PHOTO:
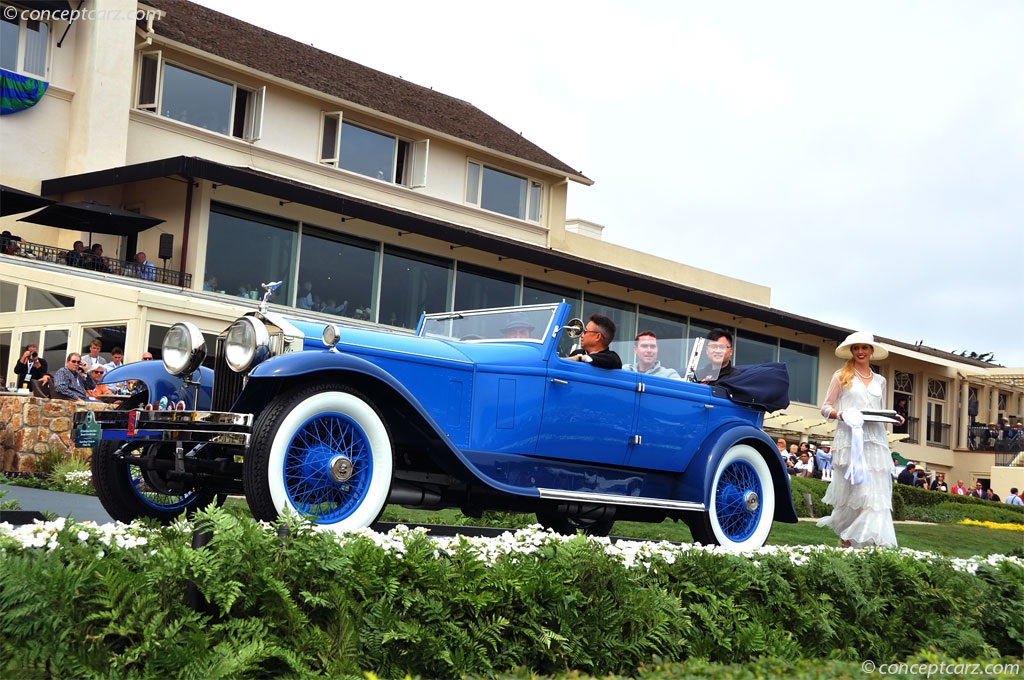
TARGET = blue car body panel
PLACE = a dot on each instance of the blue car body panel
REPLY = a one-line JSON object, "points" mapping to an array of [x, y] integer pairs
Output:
{"points": [[160, 383]]}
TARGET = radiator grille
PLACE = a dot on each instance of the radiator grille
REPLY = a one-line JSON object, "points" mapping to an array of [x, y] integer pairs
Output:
{"points": [[227, 384]]}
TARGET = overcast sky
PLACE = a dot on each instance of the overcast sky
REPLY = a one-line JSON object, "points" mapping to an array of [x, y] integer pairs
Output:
{"points": [[864, 160]]}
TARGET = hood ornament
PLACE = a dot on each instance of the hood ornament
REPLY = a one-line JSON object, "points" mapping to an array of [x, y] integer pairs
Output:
{"points": [[270, 289]]}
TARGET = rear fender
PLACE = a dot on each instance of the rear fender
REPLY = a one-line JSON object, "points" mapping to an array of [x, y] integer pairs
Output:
{"points": [[716, 445]]}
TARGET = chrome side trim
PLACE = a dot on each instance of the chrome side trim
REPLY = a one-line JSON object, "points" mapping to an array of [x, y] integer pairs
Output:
{"points": [[612, 499], [162, 419]]}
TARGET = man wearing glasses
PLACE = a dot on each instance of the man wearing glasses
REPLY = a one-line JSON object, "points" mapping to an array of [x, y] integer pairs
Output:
{"points": [[594, 344], [72, 381], [719, 351]]}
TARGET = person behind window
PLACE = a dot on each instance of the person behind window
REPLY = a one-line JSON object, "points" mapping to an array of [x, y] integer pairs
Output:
{"points": [[93, 358], [599, 334], [645, 347], [719, 351], [518, 327]]}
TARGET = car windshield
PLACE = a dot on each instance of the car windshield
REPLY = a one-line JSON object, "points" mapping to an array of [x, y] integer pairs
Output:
{"points": [[523, 324]]}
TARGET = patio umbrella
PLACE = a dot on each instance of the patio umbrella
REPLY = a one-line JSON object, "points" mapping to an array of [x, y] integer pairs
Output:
{"points": [[14, 201], [92, 217]]}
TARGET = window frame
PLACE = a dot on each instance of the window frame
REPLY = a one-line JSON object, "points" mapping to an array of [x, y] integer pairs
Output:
{"points": [[409, 158], [534, 190], [250, 129], [23, 46]]}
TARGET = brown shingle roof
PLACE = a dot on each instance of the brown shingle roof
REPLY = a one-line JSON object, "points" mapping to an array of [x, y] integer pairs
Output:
{"points": [[249, 45]]}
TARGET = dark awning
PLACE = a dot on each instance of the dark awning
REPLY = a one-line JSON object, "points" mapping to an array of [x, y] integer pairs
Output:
{"points": [[292, 191], [93, 217], [14, 201], [49, 5]]}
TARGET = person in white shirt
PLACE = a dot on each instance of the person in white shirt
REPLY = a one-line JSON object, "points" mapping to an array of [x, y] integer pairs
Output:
{"points": [[1014, 498], [93, 358]]}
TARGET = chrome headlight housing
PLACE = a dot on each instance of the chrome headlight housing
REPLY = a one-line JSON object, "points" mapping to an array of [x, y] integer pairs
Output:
{"points": [[183, 348], [331, 335], [246, 344]]}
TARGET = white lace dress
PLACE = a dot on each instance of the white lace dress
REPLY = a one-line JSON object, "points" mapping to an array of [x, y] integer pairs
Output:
{"points": [[861, 513]]}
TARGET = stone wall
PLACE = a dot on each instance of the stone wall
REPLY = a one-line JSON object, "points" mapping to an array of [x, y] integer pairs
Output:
{"points": [[29, 425]]}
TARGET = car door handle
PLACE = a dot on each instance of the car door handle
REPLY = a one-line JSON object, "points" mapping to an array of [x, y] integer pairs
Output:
{"points": [[709, 405], [559, 381]]}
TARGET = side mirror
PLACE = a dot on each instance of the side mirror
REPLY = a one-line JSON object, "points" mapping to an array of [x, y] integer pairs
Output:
{"points": [[574, 328]]}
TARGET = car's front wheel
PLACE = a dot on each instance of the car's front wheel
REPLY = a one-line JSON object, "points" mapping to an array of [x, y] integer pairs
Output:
{"points": [[324, 452], [129, 492], [742, 502]]}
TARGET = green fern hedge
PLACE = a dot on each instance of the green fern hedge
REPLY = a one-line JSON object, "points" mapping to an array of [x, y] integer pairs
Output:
{"points": [[255, 602]]}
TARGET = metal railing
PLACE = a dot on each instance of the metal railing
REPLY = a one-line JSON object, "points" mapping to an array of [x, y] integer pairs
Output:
{"points": [[909, 428], [106, 265]]}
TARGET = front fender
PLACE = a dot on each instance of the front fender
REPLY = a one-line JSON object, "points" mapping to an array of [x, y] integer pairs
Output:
{"points": [[715, 446], [160, 383]]}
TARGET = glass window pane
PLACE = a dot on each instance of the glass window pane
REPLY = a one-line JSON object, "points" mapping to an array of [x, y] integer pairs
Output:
{"points": [[9, 32], [671, 333], [246, 249], [147, 80], [754, 348], [37, 36], [504, 193], [479, 288], [329, 146], [473, 183], [36, 298], [8, 297], [624, 316], [411, 284], [538, 292], [55, 347], [109, 336], [5, 358], [367, 152], [341, 270], [535, 195], [802, 363], [196, 100]]}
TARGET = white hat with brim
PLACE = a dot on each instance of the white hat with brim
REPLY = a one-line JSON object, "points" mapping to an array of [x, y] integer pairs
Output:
{"points": [[861, 338]]}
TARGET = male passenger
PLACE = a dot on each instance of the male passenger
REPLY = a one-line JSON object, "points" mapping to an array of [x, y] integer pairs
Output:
{"points": [[645, 347], [718, 350], [594, 344]]}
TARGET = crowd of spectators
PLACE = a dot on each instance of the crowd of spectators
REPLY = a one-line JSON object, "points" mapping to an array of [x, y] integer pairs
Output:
{"points": [[137, 266], [79, 379]]}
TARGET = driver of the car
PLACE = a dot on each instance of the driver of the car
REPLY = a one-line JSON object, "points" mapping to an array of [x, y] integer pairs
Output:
{"points": [[594, 344], [518, 326]]}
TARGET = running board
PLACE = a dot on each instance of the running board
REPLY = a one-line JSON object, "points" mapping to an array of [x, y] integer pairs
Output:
{"points": [[612, 499]]}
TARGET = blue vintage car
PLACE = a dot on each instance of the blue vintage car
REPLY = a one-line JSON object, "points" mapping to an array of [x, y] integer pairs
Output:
{"points": [[335, 422]]}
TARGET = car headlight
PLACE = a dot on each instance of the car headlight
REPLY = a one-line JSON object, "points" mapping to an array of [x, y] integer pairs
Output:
{"points": [[184, 349], [332, 334], [247, 344]]}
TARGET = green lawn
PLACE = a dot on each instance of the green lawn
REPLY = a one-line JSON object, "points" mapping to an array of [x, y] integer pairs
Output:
{"points": [[952, 540]]}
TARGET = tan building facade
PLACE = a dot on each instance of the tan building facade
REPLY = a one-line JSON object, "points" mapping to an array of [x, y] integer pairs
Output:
{"points": [[270, 160]]}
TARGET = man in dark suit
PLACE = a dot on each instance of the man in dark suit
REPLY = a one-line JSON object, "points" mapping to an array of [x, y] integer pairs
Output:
{"points": [[594, 344], [908, 476], [718, 349]]}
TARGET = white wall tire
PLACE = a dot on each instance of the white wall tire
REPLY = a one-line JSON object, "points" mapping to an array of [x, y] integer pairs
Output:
{"points": [[323, 452], [742, 479]]}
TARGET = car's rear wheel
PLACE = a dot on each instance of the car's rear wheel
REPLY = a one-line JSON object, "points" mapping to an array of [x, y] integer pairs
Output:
{"points": [[742, 502], [568, 525], [128, 492], [324, 452]]}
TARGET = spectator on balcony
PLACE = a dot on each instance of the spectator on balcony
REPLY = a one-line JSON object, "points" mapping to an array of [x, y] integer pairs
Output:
{"points": [[72, 381], [77, 257], [903, 410], [10, 244], [210, 284], [1014, 498], [93, 358], [305, 299], [96, 260], [144, 269], [31, 366]]}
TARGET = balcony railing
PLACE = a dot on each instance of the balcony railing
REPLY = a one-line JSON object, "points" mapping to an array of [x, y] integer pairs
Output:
{"points": [[909, 428], [106, 265]]}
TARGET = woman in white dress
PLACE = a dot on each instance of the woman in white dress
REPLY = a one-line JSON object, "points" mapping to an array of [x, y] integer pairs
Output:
{"points": [[861, 489]]}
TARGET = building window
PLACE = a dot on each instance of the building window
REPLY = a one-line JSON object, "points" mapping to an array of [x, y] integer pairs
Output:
{"points": [[371, 153], [802, 364], [412, 283], [24, 43], [8, 297], [191, 97], [671, 333], [622, 313], [503, 192], [903, 382], [479, 288], [539, 292], [341, 272], [37, 299], [245, 249], [937, 389], [109, 336]]}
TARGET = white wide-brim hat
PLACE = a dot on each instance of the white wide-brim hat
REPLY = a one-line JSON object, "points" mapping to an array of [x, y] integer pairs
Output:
{"points": [[861, 338]]}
